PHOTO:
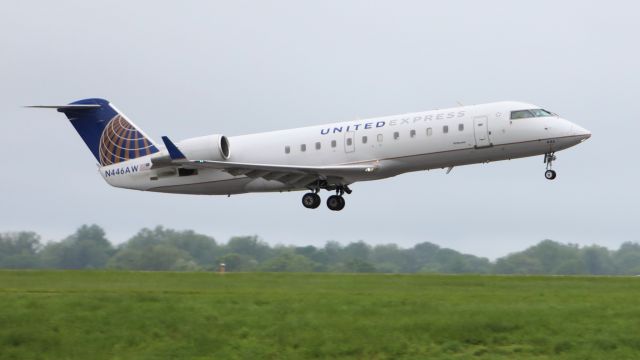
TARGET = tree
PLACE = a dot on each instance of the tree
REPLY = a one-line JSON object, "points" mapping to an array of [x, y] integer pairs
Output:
{"points": [[318, 256], [627, 258], [238, 262], [358, 266], [19, 250], [249, 245], [86, 248], [156, 257], [553, 256], [166, 249], [571, 267], [201, 248], [546, 257], [290, 263], [452, 262], [332, 249], [518, 263], [389, 258], [422, 255], [356, 250], [597, 260]]}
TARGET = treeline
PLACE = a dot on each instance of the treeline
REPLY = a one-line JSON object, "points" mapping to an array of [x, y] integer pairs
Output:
{"points": [[167, 249]]}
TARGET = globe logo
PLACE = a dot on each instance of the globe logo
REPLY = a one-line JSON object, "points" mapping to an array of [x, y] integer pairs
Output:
{"points": [[121, 141]]}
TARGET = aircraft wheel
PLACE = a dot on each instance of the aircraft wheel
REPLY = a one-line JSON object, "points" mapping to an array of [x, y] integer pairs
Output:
{"points": [[335, 202], [550, 174], [311, 200]]}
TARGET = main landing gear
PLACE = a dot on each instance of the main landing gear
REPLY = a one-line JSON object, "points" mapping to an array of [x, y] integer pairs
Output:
{"points": [[335, 202], [548, 159]]}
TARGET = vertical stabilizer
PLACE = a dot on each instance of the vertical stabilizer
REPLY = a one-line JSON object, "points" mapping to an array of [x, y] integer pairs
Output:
{"points": [[109, 134]]}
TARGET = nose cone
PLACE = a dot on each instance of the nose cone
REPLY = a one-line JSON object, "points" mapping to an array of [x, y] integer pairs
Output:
{"points": [[581, 132]]}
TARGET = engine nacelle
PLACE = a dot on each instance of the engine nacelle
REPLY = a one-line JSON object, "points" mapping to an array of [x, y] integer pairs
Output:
{"points": [[210, 147]]}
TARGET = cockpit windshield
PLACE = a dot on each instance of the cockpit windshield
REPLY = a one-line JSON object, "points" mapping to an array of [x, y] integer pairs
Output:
{"points": [[524, 114]]}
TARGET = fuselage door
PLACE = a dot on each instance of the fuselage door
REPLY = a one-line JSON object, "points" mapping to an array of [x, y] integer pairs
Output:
{"points": [[349, 142], [481, 131]]}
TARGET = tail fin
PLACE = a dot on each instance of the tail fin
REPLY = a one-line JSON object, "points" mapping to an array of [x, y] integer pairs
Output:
{"points": [[111, 137]]}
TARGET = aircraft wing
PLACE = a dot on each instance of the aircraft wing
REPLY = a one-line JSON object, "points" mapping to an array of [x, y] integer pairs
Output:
{"points": [[288, 174]]}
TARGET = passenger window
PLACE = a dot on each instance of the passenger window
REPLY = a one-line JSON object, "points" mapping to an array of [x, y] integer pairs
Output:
{"points": [[349, 141], [364, 139], [303, 147], [429, 131], [333, 143], [396, 135], [318, 145], [379, 137], [460, 127], [287, 149], [445, 129], [412, 133]]}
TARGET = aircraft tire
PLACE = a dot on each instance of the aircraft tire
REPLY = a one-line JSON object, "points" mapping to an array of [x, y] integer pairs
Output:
{"points": [[550, 174], [311, 200], [335, 202]]}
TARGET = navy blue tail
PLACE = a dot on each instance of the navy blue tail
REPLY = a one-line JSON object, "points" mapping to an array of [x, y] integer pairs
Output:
{"points": [[110, 136]]}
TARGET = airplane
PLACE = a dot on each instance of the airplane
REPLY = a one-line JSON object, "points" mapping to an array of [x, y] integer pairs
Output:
{"points": [[331, 157]]}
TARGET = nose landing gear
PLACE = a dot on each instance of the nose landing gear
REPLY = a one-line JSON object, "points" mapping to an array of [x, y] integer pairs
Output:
{"points": [[549, 174]]}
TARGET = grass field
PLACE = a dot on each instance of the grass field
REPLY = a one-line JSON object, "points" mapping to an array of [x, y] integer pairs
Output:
{"points": [[162, 315]]}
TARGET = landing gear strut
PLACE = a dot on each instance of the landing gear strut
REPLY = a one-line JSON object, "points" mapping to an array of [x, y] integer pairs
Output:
{"points": [[548, 159]]}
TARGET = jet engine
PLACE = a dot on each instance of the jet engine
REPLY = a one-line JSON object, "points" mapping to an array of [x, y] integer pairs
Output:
{"points": [[210, 147]]}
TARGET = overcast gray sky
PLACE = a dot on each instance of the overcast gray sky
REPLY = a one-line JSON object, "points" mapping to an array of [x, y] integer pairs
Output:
{"points": [[191, 68]]}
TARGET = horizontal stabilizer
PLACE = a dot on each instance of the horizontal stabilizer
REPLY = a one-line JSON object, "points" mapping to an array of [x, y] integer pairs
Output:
{"points": [[174, 152], [63, 108]]}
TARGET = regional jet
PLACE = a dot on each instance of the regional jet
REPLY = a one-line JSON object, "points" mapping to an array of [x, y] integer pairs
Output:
{"points": [[331, 157]]}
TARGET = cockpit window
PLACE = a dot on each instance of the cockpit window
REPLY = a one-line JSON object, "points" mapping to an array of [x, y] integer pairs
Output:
{"points": [[523, 114], [540, 112]]}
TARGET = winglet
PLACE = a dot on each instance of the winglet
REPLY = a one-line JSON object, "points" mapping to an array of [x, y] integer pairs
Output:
{"points": [[174, 152]]}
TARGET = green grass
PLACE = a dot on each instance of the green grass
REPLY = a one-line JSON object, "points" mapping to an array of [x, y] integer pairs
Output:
{"points": [[162, 315]]}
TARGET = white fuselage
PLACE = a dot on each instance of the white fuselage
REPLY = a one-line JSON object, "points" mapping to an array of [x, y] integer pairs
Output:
{"points": [[395, 144]]}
